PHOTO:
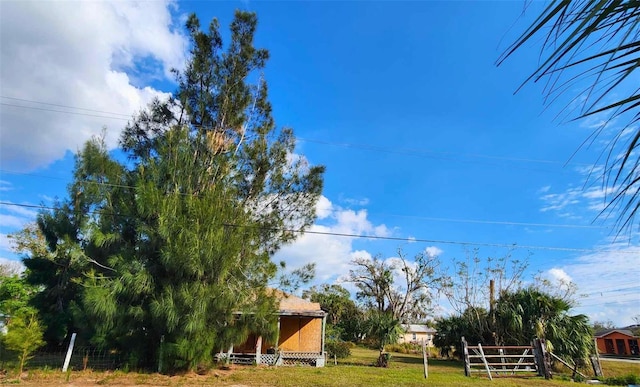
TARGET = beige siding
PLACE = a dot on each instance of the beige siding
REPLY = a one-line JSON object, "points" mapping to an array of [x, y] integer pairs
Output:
{"points": [[300, 334], [419, 336]]}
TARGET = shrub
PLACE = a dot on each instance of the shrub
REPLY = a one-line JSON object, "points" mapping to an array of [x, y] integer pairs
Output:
{"points": [[403, 348], [622, 380], [339, 349]]}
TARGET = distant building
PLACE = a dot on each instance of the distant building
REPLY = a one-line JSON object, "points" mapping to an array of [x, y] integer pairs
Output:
{"points": [[617, 342], [416, 333]]}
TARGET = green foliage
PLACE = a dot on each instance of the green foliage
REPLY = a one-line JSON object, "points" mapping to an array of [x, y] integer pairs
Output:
{"points": [[23, 330], [334, 299], [24, 336], [345, 320], [176, 243], [403, 348], [472, 325], [383, 329], [338, 349], [521, 316], [354, 325], [627, 380], [15, 296], [528, 313]]}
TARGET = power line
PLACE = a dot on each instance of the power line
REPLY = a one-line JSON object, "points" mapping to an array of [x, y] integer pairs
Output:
{"points": [[65, 106], [614, 302], [612, 290], [427, 218], [425, 152], [497, 222], [62, 111], [449, 156], [375, 237]]}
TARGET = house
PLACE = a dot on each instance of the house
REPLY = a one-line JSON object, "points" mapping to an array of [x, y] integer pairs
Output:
{"points": [[617, 342], [300, 340], [416, 333]]}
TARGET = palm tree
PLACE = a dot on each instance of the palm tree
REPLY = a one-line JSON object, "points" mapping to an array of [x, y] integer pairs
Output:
{"points": [[596, 41], [528, 313], [383, 329]]}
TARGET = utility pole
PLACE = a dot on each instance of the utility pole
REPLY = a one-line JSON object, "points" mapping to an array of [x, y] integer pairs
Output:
{"points": [[492, 309]]}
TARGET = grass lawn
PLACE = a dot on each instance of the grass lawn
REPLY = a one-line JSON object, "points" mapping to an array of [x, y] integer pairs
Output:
{"points": [[404, 370]]}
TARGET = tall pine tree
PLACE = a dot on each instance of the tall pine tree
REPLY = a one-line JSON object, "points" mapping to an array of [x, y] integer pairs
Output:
{"points": [[175, 244]]}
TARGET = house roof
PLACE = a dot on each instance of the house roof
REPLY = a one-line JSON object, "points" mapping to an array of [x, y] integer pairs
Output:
{"points": [[291, 305], [417, 328], [607, 332]]}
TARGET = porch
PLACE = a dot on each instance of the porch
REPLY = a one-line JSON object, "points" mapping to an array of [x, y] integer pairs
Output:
{"points": [[300, 339]]}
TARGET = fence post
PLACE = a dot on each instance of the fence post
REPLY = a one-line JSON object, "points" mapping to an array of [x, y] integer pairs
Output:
{"points": [[160, 354], [424, 359], [465, 354], [67, 359], [544, 366], [258, 349]]}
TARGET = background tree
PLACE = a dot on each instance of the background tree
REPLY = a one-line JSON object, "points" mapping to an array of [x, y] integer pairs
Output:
{"points": [[176, 243], [467, 288], [333, 299], [596, 44], [472, 324], [346, 320], [22, 330], [466, 285], [52, 253], [602, 325], [24, 336], [408, 298]]}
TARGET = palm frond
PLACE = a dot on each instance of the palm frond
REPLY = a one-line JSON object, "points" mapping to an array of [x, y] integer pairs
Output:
{"points": [[598, 42]]}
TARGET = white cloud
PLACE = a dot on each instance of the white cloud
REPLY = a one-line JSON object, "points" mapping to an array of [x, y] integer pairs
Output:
{"points": [[25, 212], [575, 202], [5, 186], [608, 282], [12, 221], [5, 243], [433, 251], [323, 207], [544, 189], [15, 217], [356, 222], [356, 202], [559, 276], [331, 253], [77, 54]]}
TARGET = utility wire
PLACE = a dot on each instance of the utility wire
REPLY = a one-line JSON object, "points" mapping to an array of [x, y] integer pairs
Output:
{"points": [[418, 152], [375, 237], [62, 111], [66, 106], [427, 218], [425, 152]]}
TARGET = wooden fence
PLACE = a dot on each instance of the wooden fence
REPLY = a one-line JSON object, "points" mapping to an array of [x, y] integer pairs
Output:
{"points": [[527, 360]]}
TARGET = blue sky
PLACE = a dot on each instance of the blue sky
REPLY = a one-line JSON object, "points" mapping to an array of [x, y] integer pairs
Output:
{"points": [[420, 132]]}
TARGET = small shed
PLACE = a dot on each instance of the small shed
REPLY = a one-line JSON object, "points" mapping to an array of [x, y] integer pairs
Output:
{"points": [[301, 330], [617, 342], [417, 333]]}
